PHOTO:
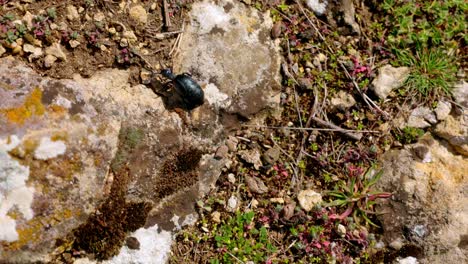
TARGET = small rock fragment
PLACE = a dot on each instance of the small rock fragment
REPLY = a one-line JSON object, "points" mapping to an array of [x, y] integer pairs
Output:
{"points": [[36, 52], [272, 155], [49, 60], [308, 199], [130, 35], [455, 132], [318, 7], [418, 117], [460, 93], [397, 244], [17, 49], [145, 76], [422, 153], [56, 50], [72, 13], [231, 143], [341, 230], [276, 30], [216, 217], [304, 83], [74, 43], [251, 156], [443, 110], [420, 230], [231, 178], [132, 243], [28, 19], [408, 260], [256, 185], [2, 50], [99, 17], [232, 204], [123, 42], [343, 101], [277, 200], [388, 79], [254, 203], [288, 210], [347, 7], [138, 13], [112, 30], [221, 152]]}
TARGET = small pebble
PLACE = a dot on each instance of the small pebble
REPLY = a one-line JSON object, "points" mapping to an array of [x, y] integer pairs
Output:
{"points": [[216, 217], [231, 178], [132, 243]]}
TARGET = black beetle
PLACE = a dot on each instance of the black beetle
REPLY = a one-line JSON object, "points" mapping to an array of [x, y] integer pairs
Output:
{"points": [[187, 88]]}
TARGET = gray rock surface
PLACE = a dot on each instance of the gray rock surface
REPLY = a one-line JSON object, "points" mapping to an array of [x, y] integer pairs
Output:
{"points": [[460, 93], [455, 131], [428, 210], [421, 117], [442, 110], [388, 79], [228, 48]]}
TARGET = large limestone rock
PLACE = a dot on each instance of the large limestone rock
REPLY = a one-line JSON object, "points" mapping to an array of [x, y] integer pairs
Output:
{"points": [[87, 163], [227, 46], [427, 217]]}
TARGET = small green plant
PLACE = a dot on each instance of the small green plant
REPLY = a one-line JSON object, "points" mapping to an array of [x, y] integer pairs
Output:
{"points": [[358, 196], [52, 13], [74, 35], [409, 135], [433, 72], [239, 239], [424, 35]]}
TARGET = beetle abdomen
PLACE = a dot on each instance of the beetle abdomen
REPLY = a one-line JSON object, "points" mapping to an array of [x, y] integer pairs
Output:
{"points": [[191, 93]]}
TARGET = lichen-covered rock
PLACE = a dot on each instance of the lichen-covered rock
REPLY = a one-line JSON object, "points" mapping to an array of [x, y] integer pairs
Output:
{"points": [[428, 211], [87, 160], [227, 47]]}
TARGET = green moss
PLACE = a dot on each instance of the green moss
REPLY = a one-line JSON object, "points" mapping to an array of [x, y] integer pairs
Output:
{"points": [[129, 138]]}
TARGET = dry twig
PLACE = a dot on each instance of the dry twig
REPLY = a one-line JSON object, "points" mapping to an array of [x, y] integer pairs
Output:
{"points": [[167, 19]]}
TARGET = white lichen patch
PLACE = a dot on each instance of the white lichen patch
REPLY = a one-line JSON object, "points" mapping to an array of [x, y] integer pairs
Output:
{"points": [[48, 149], [64, 102], [13, 190], [208, 16], [154, 248], [319, 7], [215, 97]]}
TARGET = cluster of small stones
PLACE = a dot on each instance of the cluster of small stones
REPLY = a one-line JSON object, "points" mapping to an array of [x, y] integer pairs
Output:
{"points": [[34, 49]]}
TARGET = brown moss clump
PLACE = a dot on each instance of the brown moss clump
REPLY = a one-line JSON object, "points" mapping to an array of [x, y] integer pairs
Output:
{"points": [[32, 106], [178, 172], [104, 232]]}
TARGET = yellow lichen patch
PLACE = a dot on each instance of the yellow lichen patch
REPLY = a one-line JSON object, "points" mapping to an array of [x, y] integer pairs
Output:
{"points": [[32, 106], [59, 135], [57, 110], [30, 234], [32, 231], [29, 145], [101, 130]]}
